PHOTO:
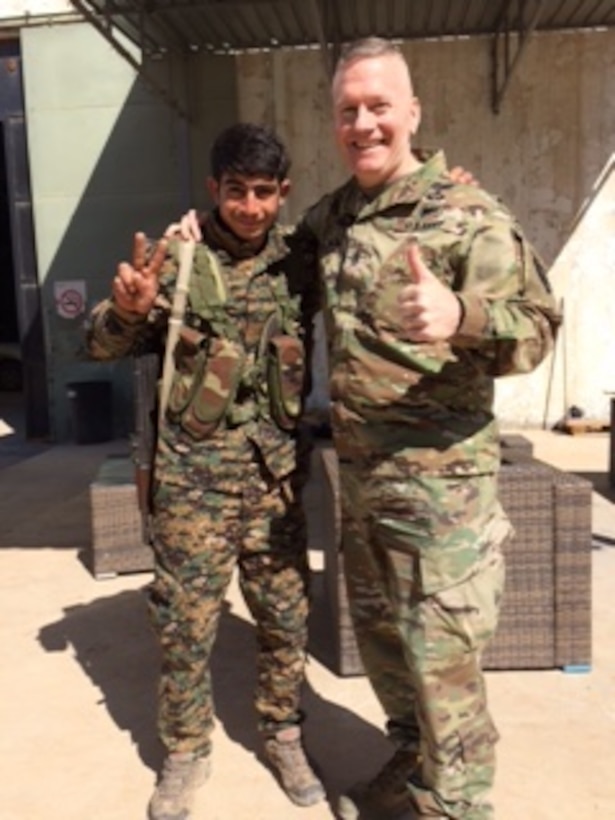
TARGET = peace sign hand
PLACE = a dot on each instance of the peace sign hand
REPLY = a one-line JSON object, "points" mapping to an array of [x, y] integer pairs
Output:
{"points": [[135, 286]]}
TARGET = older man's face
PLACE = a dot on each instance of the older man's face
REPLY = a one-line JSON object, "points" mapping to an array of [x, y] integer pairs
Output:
{"points": [[375, 114]]}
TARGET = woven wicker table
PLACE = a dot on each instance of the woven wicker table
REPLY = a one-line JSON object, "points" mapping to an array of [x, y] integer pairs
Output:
{"points": [[545, 619], [118, 543]]}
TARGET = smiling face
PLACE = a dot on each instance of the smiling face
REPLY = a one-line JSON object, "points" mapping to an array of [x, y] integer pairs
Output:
{"points": [[375, 114], [248, 205]]}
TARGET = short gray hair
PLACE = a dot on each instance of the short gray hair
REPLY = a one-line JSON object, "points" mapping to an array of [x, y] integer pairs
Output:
{"points": [[365, 48], [369, 48]]}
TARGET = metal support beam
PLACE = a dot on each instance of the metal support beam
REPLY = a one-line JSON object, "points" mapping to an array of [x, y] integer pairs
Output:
{"points": [[316, 12], [508, 36], [336, 33], [105, 27]]}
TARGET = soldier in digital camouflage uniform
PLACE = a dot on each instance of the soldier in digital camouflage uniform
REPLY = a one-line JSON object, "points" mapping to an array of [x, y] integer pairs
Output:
{"points": [[230, 465], [431, 291]]}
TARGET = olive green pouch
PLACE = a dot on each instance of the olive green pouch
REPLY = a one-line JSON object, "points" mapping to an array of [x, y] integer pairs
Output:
{"points": [[189, 356], [285, 379], [216, 388]]}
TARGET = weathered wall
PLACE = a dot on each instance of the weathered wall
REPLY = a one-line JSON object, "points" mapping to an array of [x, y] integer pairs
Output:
{"points": [[33, 8], [212, 102], [107, 157], [542, 154], [97, 176], [581, 372]]}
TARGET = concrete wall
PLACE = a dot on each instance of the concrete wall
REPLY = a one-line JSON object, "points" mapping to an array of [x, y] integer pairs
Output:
{"points": [[542, 154], [107, 157], [97, 176], [581, 372], [33, 8], [212, 101]]}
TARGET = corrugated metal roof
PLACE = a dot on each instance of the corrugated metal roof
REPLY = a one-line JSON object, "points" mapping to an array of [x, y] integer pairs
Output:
{"points": [[236, 25], [160, 27]]}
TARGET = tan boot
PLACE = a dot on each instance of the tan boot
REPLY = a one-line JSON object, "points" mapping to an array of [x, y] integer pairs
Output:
{"points": [[181, 776], [386, 796], [286, 754]]}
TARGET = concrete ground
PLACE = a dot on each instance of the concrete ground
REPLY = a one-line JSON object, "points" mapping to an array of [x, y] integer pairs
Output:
{"points": [[79, 666]]}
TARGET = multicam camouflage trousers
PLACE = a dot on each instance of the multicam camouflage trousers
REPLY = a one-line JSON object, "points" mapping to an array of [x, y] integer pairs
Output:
{"points": [[220, 512], [425, 573]]}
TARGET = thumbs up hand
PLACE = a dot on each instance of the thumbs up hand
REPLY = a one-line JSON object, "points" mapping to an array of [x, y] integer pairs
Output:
{"points": [[429, 310]]}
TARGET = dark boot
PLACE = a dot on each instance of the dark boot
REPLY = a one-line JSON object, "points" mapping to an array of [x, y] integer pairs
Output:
{"points": [[386, 796]]}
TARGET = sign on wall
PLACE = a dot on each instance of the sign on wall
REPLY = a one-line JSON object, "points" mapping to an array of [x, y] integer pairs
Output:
{"points": [[69, 298]]}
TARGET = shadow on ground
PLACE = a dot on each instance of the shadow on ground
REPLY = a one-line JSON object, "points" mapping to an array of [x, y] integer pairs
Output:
{"points": [[111, 639], [600, 483], [14, 447], [45, 501]]}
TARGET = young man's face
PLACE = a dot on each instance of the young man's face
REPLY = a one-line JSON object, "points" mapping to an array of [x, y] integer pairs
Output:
{"points": [[375, 115], [249, 206]]}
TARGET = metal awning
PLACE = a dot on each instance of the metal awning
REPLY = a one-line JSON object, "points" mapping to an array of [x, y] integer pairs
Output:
{"points": [[159, 27]]}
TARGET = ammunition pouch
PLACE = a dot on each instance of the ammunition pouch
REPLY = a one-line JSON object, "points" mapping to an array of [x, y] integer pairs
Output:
{"points": [[189, 355], [285, 379], [207, 374]]}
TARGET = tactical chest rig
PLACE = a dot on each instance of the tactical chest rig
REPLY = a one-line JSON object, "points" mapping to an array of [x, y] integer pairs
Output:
{"points": [[215, 380], [205, 369]]}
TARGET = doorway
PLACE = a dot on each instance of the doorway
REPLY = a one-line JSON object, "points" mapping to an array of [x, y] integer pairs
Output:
{"points": [[23, 373], [11, 376]]}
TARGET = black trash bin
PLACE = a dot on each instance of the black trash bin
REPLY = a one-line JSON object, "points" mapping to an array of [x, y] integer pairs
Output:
{"points": [[91, 406]]}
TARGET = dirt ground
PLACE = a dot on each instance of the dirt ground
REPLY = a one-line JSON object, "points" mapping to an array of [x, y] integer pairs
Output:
{"points": [[79, 666]]}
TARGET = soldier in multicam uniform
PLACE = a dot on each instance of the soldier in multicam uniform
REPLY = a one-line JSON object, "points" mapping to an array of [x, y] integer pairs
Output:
{"points": [[431, 291], [229, 465]]}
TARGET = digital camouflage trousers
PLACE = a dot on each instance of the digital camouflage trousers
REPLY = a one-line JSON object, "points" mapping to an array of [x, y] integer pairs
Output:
{"points": [[230, 514], [425, 573]]}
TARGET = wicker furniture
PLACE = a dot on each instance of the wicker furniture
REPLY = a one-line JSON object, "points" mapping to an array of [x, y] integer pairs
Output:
{"points": [[120, 530], [117, 527], [545, 620], [515, 447]]}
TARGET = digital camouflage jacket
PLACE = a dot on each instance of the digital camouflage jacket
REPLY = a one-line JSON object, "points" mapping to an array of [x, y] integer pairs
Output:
{"points": [[223, 359], [429, 404]]}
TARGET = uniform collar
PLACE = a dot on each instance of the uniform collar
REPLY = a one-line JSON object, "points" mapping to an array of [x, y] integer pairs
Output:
{"points": [[407, 190], [218, 237]]}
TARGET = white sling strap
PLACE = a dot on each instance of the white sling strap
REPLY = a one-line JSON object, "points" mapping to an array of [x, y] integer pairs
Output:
{"points": [[178, 309]]}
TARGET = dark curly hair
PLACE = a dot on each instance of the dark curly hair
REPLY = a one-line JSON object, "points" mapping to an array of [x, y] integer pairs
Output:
{"points": [[250, 150]]}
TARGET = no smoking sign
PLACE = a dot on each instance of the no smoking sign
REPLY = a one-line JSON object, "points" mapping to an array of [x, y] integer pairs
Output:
{"points": [[69, 299]]}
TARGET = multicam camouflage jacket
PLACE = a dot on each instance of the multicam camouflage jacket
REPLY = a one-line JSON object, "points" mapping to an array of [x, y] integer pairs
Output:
{"points": [[430, 404], [243, 356]]}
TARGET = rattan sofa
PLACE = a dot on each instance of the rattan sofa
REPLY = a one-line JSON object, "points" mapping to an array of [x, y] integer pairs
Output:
{"points": [[120, 531], [545, 619], [118, 543]]}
